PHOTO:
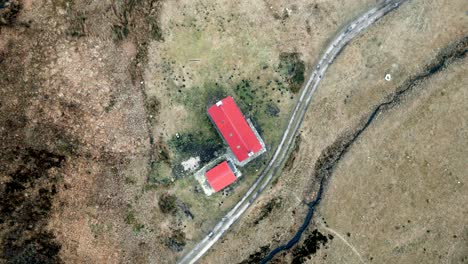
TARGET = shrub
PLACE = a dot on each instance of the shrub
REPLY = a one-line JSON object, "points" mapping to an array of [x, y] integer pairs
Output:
{"points": [[293, 69], [167, 203]]}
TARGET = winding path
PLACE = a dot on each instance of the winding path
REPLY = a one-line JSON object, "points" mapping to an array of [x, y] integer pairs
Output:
{"points": [[340, 41]]}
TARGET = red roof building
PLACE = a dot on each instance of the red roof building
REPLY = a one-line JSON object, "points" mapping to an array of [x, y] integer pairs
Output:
{"points": [[234, 128], [220, 176]]}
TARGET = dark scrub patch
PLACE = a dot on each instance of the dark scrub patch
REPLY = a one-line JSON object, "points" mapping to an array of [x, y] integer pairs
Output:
{"points": [[188, 145], [176, 242], [310, 246], [268, 208], [136, 17], [292, 68], [257, 256], [25, 203], [272, 109], [9, 9], [168, 203]]}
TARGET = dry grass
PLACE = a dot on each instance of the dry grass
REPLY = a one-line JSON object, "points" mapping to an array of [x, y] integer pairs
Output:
{"points": [[352, 87], [95, 81]]}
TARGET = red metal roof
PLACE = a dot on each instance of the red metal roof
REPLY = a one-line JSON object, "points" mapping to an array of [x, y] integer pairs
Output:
{"points": [[234, 128], [220, 176]]}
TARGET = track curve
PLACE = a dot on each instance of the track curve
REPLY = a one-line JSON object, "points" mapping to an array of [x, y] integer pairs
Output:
{"points": [[349, 32]]}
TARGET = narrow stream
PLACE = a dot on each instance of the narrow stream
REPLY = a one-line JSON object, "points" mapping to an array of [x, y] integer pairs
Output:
{"points": [[454, 52], [297, 237]]}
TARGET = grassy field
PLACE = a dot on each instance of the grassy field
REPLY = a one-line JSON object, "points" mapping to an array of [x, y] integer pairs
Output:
{"points": [[214, 49], [209, 54], [400, 190], [95, 93], [402, 44]]}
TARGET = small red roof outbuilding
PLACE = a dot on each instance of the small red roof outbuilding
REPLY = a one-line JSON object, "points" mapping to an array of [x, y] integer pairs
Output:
{"points": [[220, 176], [234, 128]]}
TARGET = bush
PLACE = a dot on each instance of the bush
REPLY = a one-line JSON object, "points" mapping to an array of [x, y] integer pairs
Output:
{"points": [[176, 241], [167, 203], [293, 69], [272, 109]]}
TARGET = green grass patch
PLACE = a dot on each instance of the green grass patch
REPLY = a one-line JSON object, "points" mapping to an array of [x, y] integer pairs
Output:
{"points": [[132, 220], [137, 228], [258, 105], [96, 229], [160, 175], [199, 98], [130, 180]]}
